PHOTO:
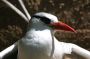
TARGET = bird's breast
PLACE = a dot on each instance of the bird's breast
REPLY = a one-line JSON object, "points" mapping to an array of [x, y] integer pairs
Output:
{"points": [[37, 43]]}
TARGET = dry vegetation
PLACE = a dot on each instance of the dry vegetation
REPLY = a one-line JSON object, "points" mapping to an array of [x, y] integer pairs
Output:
{"points": [[75, 13]]}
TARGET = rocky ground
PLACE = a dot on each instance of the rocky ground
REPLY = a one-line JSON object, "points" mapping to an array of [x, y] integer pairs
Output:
{"points": [[73, 12]]}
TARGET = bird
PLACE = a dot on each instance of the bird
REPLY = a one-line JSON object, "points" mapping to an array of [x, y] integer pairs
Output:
{"points": [[38, 41]]}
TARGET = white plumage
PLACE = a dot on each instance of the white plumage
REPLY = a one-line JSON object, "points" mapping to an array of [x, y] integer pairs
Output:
{"points": [[37, 44], [39, 41]]}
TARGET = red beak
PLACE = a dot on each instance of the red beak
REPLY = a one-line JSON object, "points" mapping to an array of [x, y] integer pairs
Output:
{"points": [[62, 26]]}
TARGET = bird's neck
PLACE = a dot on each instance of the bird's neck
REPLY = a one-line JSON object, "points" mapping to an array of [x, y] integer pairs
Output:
{"points": [[38, 29], [43, 37], [35, 33]]}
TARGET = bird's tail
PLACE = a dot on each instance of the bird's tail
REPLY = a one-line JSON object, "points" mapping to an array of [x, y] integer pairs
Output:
{"points": [[25, 17]]}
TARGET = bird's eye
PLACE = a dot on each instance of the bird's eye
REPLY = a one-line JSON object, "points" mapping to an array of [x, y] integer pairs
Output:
{"points": [[43, 19]]}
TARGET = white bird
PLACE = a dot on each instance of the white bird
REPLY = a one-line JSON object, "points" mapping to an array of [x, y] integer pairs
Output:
{"points": [[39, 41]]}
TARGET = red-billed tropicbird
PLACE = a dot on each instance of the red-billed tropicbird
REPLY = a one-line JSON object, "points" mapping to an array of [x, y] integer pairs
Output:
{"points": [[40, 43]]}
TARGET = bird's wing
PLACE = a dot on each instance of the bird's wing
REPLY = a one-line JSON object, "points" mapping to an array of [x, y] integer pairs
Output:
{"points": [[61, 48], [66, 47], [10, 52], [80, 51]]}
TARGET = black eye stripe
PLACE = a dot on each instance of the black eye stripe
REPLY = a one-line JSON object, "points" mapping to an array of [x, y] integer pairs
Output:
{"points": [[43, 19]]}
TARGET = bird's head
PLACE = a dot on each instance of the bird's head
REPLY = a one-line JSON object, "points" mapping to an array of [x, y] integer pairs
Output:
{"points": [[52, 21]]}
